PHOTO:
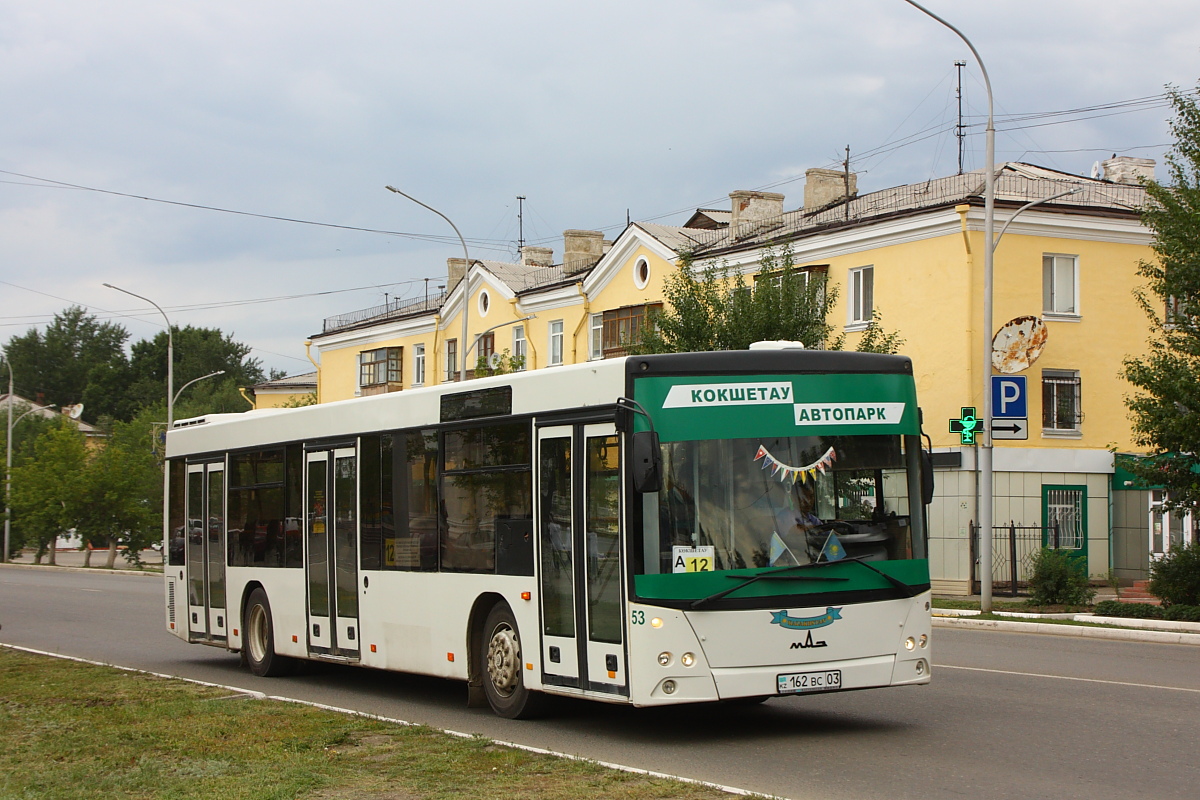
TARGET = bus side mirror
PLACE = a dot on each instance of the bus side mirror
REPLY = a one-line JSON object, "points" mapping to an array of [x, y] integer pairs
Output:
{"points": [[647, 462], [926, 477]]}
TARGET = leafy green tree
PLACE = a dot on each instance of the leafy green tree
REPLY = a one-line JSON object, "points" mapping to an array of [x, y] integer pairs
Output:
{"points": [[47, 489], [121, 490], [59, 363], [1166, 407], [717, 309], [198, 352]]}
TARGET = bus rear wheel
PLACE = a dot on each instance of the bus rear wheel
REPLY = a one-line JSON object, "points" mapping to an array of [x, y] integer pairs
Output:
{"points": [[501, 667], [259, 641]]}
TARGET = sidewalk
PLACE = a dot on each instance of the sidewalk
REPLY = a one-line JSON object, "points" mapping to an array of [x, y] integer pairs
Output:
{"points": [[73, 559]]}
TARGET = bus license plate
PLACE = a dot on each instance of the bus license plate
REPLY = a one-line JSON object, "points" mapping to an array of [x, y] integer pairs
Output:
{"points": [[823, 681]]}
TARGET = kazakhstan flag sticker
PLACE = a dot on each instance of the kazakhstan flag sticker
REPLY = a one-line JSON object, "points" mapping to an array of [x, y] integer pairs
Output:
{"points": [[782, 619]]}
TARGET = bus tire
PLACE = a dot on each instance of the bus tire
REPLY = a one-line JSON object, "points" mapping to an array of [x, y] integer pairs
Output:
{"points": [[259, 643], [502, 669]]}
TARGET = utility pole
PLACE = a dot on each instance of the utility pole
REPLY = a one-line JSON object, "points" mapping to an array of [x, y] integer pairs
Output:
{"points": [[960, 131]]}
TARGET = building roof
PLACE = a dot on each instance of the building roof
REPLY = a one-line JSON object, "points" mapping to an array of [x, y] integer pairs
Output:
{"points": [[21, 405], [1016, 184], [292, 383]]}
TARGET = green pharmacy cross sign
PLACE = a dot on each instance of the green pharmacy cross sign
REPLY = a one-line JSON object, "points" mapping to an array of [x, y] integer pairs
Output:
{"points": [[967, 425]]}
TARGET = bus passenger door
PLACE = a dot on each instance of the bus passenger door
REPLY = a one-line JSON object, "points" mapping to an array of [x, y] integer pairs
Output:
{"points": [[556, 548], [206, 551], [580, 558], [331, 542]]}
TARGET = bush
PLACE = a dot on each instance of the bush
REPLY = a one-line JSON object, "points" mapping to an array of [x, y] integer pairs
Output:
{"points": [[1175, 578], [1056, 578], [1115, 608], [1182, 613]]}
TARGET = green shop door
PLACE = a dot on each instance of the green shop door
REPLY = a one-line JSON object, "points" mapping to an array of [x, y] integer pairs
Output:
{"points": [[1064, 520]]}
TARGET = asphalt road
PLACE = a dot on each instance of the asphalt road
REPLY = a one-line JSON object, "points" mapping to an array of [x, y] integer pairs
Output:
{"points": [[1007, 715]]}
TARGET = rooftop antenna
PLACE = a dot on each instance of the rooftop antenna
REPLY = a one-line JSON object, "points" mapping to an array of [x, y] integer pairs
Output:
{"points": [[427, 293], [520, 223], [959, 130]]}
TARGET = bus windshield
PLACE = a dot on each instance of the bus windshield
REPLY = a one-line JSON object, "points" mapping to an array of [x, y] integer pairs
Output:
{"points": [[733, 504]]}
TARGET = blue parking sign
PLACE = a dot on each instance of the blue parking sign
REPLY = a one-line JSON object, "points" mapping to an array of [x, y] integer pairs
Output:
{"points": [[1010, 400]]}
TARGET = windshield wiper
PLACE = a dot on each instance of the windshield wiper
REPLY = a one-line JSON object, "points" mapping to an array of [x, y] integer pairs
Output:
{"points": [[903, 588], [764, 576]]}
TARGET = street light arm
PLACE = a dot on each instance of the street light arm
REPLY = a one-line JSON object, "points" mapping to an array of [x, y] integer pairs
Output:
{"points": [[30, 411], [1030, 205], [196, 380], [170, 354], [462, 370], [479, 336]]}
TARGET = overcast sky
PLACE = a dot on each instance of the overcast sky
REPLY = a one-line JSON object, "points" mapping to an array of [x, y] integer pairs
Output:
{"points": [[305, 110]]}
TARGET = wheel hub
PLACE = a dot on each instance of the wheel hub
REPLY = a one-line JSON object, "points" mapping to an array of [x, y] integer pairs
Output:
{"points": [[503, 661]]}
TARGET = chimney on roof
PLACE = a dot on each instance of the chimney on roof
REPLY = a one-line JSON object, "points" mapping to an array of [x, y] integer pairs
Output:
{"points": [[536, 256], [823, 187], [1127, 169], [581, 250], [752, 207], [456, 269]]}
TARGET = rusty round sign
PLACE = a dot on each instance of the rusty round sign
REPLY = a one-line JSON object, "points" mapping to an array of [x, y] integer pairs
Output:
{"points": [[1018, 344]]}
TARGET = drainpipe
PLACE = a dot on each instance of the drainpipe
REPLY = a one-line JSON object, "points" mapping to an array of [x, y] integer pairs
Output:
{"points": [[962, 210], [246, 397], [437, 375], [587, 305], [308, 354]]}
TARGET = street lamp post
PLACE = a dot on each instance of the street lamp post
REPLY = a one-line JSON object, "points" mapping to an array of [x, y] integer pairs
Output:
{"points": [[462, 369], [170, 354], [8, 461], [989, 223]]}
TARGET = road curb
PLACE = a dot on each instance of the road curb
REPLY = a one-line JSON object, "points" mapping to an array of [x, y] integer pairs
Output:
{"points": [[88, 570], [1081, 631]]}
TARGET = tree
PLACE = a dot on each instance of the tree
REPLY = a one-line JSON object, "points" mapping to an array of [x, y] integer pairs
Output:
{"points": [[716, 309], [59, 363], [1166, 407], [47, 487], [121, 490], [198, 352]]}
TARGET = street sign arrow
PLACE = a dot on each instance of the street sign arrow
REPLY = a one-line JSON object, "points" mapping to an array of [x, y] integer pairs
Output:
{"points": [[1010, 428]]}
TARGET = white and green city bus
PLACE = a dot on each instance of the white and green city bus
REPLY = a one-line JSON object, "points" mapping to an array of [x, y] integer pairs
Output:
{"points": [[643, 530]]}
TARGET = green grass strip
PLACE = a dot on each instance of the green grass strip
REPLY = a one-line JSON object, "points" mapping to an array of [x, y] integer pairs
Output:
{"points": [[73, 730]]}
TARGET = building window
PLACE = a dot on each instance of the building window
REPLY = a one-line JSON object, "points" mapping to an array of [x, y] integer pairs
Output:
{"points": [[1060, 400], [485, 303], [379, 370], [487, 346], [1060, 284], [862, 295], [519, 346], [641, 273], [556, 342], [452, 359], [418, 365], [596, 340], [623, 326]]}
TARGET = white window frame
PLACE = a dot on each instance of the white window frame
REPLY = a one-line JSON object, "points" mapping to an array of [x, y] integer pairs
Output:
{"points": [[1054, 303], [555, 329], [858, 312], [596, 337], [518, 344], [418, 365]]}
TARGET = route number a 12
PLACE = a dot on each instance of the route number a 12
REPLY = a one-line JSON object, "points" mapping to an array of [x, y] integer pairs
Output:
{"points": [[694, 559]]}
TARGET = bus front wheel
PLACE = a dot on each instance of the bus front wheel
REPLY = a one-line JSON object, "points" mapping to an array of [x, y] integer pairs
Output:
{"points": [[259, 643], [501, 667]]}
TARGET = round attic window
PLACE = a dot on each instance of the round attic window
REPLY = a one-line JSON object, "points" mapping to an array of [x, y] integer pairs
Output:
{"points": [[485, 303], [641, 273]]}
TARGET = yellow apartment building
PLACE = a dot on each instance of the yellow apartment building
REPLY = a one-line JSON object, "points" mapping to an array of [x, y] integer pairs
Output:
{"points": [[1065, 272]]}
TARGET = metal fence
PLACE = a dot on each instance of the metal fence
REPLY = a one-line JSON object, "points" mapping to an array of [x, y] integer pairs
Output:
{"points": [[394, 308], [1013, 549]]}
